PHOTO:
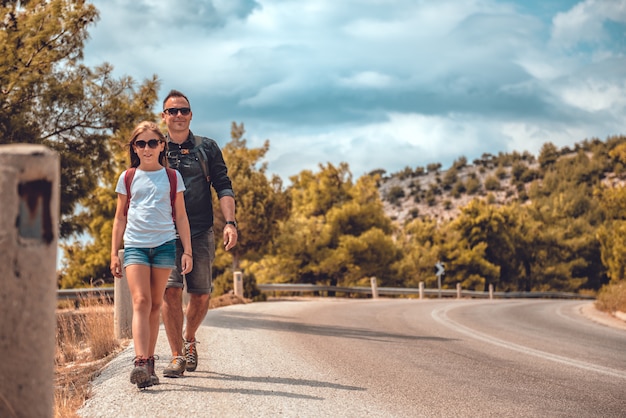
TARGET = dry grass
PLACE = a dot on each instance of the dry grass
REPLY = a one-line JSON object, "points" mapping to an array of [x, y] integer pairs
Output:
{"points": [[85, 343], [612, 298]]}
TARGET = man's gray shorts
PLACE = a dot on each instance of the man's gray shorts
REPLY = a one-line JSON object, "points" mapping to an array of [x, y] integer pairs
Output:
{"points": [[200, 279]]}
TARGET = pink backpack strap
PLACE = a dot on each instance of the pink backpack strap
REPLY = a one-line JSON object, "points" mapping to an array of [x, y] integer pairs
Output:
{"points": [[171, 174]]}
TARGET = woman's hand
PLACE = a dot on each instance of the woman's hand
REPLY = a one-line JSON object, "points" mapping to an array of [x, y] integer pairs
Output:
{"points": [[116, 266], [186, 262]]}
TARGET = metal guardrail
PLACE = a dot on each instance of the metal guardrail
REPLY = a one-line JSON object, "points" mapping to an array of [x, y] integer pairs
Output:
{"points": [[77, 294], [304, 288], [108, 292]]}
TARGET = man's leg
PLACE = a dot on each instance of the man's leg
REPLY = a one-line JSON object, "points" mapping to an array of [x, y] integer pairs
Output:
{"points": [[196, 311], [173, 319], [199, 284]]}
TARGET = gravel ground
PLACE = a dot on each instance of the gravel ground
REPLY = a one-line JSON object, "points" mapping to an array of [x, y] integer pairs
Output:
{"points": [[241, 372]]}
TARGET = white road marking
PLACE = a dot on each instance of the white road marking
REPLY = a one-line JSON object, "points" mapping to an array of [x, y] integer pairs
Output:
{"points": [[441, 315]]}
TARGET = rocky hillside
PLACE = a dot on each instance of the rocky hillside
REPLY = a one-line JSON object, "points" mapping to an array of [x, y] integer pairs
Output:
{"points": [[440, 194]]}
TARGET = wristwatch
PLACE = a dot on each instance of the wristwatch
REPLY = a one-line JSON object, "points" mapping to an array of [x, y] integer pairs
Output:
{"points": [[233, 223]]}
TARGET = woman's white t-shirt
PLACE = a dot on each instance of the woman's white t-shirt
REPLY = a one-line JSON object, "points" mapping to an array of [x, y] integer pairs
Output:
{"points": [[149, 220]]}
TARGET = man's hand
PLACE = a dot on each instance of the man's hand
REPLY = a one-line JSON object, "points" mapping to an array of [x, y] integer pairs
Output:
{"points": [[230, 236]]}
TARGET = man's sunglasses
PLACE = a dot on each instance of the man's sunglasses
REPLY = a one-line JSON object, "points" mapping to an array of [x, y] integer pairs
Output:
{"points": [[173, 111], [152, 143]]}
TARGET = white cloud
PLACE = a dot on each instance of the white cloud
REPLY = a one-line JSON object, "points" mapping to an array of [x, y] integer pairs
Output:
{"points": [[402, 140], [530, 137], [367, 79], [584, 22], [378, 83], [275, 94], [595, 95]]}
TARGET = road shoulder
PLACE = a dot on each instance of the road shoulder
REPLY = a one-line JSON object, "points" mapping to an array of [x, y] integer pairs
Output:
{"points": [[590, 311]]}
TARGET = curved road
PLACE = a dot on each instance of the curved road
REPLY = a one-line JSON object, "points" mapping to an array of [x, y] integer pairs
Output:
{"points": [[386, 358]]}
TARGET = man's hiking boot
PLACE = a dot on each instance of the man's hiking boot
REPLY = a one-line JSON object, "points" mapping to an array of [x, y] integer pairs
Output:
{"points": [[191, 354], [140, 374], [176, 368], [154, 380]]}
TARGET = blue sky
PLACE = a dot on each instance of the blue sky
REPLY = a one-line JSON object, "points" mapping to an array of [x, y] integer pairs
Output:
{"points": [[379, 83]]}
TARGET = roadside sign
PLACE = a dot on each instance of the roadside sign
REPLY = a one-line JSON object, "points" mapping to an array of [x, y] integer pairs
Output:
{"points": [[439, 273], [440, 268]]}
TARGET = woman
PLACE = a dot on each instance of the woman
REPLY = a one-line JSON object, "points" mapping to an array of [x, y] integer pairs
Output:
{"points": [[148, 216]]}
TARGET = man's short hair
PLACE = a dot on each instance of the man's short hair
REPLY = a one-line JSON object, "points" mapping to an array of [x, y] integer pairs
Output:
{"points": [[175, 93]]}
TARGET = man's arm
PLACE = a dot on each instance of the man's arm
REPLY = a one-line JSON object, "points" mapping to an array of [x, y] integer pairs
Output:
{"points": [[227, 204]]}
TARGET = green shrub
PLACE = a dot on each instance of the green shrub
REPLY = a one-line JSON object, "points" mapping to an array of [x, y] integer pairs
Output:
{"points": [[472, 185], [395, 194], [449, 178], [458, 189], [492, 183], [518, 169]]}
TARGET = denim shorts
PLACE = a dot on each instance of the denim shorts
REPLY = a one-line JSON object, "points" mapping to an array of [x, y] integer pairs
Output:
{"points": [[163, 256]]}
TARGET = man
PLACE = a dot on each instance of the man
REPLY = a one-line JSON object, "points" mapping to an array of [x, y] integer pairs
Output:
{"points": [[201, 164]]}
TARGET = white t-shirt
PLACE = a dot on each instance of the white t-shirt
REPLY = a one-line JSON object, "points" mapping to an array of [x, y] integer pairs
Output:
{"points": [[149, 220]]}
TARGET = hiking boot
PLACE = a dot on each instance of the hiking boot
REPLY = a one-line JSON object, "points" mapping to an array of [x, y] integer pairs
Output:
{"points": [[140, 374], [191, 354], [176, 368], [154, 380]]}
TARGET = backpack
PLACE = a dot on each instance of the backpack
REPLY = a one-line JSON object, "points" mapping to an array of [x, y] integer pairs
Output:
{"points": [[204, 161], [171, 175]]}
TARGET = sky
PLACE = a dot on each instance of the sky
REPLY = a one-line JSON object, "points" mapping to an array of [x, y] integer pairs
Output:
{"points": [[378, 84]]}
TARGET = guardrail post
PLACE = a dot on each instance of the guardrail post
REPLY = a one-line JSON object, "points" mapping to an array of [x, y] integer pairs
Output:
{"points": [[29, 226], [122, 305], [490, 291], [374, 287], [458, 290], [238, 283], [421, 290]]}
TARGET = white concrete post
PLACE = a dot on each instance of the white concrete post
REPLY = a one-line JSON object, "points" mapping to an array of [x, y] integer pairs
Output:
{"points": [[29, 228], [421, 290], [238, 283], [490, 291], [458, 290], [374, 287], [123, 305]]}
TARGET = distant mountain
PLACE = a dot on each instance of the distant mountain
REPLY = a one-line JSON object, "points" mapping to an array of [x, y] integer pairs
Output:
{"points": [[430, 192]]}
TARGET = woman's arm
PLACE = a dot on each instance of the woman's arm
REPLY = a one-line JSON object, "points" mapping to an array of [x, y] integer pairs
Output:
{"points": [[182, 226], [119, 225]]}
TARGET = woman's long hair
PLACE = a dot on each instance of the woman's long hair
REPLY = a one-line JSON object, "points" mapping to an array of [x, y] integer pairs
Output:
{"points": [[139, 129]]}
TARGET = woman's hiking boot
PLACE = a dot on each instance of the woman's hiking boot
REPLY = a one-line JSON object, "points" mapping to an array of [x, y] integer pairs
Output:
{"points": [[154, 380], [140, 375]]}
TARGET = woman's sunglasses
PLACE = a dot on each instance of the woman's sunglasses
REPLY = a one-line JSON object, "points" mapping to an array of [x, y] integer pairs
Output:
{"points": [[152, 143]]}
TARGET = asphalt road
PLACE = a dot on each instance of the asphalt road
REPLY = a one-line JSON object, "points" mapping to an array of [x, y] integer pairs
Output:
{"points": [[386, 358]]}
